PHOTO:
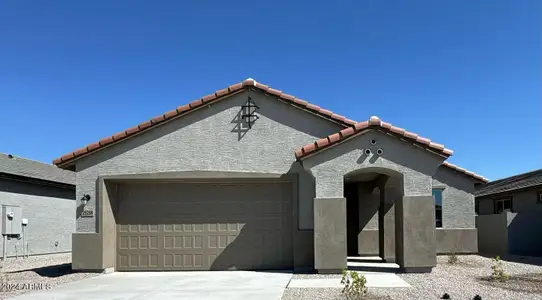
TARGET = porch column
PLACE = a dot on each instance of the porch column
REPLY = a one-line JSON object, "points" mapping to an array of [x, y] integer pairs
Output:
{"points": [[387, 222], [329, 226], [415, 233]]}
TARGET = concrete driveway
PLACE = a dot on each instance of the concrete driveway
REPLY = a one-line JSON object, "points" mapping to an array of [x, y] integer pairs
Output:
{"points": [[171, 285]]}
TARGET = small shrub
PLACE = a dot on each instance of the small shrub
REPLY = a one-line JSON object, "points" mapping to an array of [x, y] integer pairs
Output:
{"points": [[445, 296], [355, 285], [453, 259], [477, 297], [498, 273]]}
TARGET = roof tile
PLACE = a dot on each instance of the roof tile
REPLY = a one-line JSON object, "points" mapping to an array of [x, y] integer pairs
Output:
{"points": [[235, 87], [170, 114], [119, 136], [287, 97], [262, 86], [465, 172], [157, 119], [322, 142], [300, 102], [132, 130], [183, 108], [222, 92], [105, 141], [325, 112], [274, 92], [144, 125], [196, 103], [208, 98], [93, 146], [334, 137], [249, 82], [351, 125], [313, 107], [373, 122], [80, 151]]}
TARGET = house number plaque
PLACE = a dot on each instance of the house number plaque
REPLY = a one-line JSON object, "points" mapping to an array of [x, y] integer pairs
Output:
{"points": [[87, 214]]}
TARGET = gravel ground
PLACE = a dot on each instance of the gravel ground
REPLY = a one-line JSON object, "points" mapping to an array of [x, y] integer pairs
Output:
{"points": [[37, 272], [461, 281]]}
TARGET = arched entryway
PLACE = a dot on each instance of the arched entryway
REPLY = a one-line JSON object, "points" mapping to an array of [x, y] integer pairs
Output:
{"points": [[370, 196]]}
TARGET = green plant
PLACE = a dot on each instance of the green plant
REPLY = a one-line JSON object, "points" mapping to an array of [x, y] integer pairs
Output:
{"points": [[498, 273], [355, 285], [453, 258]]}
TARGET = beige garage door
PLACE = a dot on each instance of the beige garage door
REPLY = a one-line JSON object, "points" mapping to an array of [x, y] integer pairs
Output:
{"points": [[204, 226]]}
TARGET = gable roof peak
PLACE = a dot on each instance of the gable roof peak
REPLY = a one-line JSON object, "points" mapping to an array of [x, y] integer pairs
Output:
{"points": [[373, 123]]}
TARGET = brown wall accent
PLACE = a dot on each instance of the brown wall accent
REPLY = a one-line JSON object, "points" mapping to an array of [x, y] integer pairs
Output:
{"points": [[106, 221], [456, 240], [368, 242], [87, 252]]}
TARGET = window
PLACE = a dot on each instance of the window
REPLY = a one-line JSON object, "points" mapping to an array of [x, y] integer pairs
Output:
{"points": [[539, 197], [502, 205], [477, 207], [437, 195]]}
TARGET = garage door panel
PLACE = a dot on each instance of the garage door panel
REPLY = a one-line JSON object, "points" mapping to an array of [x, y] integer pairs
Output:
{"points": [[172, 226]]}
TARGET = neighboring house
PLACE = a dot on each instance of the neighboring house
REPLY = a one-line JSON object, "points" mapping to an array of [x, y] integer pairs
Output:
{"points": [[252, 178], [509, 217], [44, 196]]}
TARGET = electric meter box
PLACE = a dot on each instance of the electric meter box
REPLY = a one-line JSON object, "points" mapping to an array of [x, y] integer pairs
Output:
{"points": [[11, 220]]}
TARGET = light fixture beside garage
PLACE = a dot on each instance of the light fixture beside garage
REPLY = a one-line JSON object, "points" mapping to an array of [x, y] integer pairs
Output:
{"points": [[249, 112], [85, 199]]}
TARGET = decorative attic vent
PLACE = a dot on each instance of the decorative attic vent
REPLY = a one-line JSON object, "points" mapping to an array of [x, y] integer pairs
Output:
{"points": [[249, 112]]}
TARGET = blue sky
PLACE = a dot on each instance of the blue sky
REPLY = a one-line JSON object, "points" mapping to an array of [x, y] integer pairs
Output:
{"points": [[466, 74]]}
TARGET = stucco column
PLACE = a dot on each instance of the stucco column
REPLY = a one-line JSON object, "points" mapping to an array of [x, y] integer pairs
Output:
{"points": [[415, 233], [329, 226], [387, 224], [329, 234]]}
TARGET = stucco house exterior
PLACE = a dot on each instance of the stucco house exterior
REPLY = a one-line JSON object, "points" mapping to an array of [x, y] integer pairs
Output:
{"points": [[43, 197], [509, 215], [253, 178]]}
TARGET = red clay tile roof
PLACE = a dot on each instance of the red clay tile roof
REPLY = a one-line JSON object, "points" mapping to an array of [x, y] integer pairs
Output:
{"points": [[351, 127], [375, 123], [192, 106], [466, 172]]}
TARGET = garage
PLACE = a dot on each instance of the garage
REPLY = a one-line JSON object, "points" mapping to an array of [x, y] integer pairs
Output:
{"points": [[213, 225]]}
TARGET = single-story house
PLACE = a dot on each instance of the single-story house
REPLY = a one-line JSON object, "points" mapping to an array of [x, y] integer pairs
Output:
{"points": [[509, 215], [253, 178], [42, 200]]}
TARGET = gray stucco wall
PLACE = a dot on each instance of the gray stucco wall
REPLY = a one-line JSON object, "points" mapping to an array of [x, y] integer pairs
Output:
{"points": [[523, 201], [457, 198], [214, 139], [416, 165], [514, 232], [50, 212], [369, 197], [525, 232], [492, 234]]}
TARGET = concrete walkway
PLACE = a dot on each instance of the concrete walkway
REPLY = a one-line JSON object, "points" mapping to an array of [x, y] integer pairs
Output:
{"points": [[243, 285]]}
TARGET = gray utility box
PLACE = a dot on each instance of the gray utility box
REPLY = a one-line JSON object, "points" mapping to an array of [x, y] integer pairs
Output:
{"points": [[11, 220]]}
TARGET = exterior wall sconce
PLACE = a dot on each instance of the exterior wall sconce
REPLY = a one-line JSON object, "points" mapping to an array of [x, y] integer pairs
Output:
{"points": [[85, 199]]}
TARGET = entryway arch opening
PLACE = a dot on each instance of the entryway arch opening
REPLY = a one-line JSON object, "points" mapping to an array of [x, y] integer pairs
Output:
{"points": [[371, 218]]}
